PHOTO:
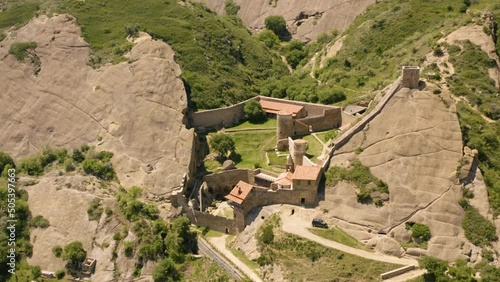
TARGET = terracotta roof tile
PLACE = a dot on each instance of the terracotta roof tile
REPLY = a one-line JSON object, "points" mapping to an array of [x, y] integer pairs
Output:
{"points": [[239, 192], [277, 107], [307, 172]]}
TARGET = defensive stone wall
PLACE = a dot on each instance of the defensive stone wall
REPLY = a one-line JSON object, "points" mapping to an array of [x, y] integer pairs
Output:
{"points": [[214, 222], [344, 138], [218, 118], [320, 117]]}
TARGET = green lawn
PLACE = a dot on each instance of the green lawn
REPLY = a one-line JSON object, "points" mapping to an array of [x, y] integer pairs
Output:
{"points": [[269, 123], [203, 269], [338, 235], [314, 147], [251, 147]]}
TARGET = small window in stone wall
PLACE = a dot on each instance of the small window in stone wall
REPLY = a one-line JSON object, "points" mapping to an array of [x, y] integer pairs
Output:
{"points": [[308, 182]]}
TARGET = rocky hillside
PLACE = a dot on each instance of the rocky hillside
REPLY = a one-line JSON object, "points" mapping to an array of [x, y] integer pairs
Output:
{"points": [[306, 20], [414, 146], [134, 109]]}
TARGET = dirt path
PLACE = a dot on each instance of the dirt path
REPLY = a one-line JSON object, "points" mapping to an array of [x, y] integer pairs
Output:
{"points": [[220, 244], [294, 224]]}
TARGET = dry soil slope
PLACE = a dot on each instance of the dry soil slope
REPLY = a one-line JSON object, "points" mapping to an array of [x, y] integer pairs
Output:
{"points": [[137, 107], [330, 14], [414, 145]]}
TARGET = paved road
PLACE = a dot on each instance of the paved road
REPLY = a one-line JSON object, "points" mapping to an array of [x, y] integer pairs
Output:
{"points": [[207, 249], [220, 245], [295, 225]]}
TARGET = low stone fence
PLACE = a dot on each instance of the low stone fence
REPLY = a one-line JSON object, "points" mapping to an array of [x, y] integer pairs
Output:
{"points": [[397, 272]]}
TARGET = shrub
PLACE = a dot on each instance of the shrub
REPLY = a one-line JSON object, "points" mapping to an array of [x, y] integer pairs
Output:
{"points": [[5, 160], [74, 254], [269, 38], [267, 235], [478, 230], [436, 91], [132, 31], [69, 166], [254, 112], [99, 169], [166, 270], [331, 134], [39, 222], [20, 50], [277, 25], [222, 144], [132, 208], [117, 236], [94, 210], [421, 232], [231, 8], [60, 274], [358, 150], [128, 249], [57, 251], [78, 156]]}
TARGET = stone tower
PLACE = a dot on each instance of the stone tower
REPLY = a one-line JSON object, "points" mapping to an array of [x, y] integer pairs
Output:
{"points": [[298, 151], [284, 129], [411, 76]]}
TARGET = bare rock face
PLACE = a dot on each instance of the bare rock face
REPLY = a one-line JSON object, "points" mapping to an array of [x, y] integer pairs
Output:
{"points": [[63, 201], [389, 246], [305, 19], [414, 145], [134, 110]]}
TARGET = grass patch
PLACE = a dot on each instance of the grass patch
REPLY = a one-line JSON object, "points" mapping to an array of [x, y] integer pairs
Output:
{"points": [[483, 136], [203, 269], [314, 147], [359, 175], [338, 235], [17, 14], [241, 256], [268, 123], [472, 80], [20, 50], [318, 263], [251, 148], [478, 230]]}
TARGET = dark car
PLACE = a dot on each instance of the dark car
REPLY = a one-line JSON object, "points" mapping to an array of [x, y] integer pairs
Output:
{"points": [[319, 223]]}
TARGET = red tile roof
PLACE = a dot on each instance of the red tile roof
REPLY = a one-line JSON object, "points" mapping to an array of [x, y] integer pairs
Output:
{"points": [[239, 192], [307, 172], [285, 179], [277, 107]]}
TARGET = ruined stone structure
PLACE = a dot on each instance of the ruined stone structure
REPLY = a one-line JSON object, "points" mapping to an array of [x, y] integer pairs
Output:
{"points": [[411, 77]]}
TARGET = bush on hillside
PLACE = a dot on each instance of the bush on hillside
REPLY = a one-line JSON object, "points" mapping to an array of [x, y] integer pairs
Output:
{"points": [[277, 25], [20, 50], [478, 230], [39, 222], [5, 160]]}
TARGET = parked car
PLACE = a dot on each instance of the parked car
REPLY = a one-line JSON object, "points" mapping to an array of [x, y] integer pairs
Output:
{"points": [[319, 223]]}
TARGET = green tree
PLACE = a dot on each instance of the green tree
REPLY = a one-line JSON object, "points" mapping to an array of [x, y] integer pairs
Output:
{"points": [[74, 254], [78, 156], [277, 24], [5, 160], [253, 111], [222, 144], [269, 38], [165, 271], [231, 8]]}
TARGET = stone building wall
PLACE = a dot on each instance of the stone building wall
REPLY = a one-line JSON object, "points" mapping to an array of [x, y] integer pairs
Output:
{"points": [[223, 182], [411, 76], [330, 118]]}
